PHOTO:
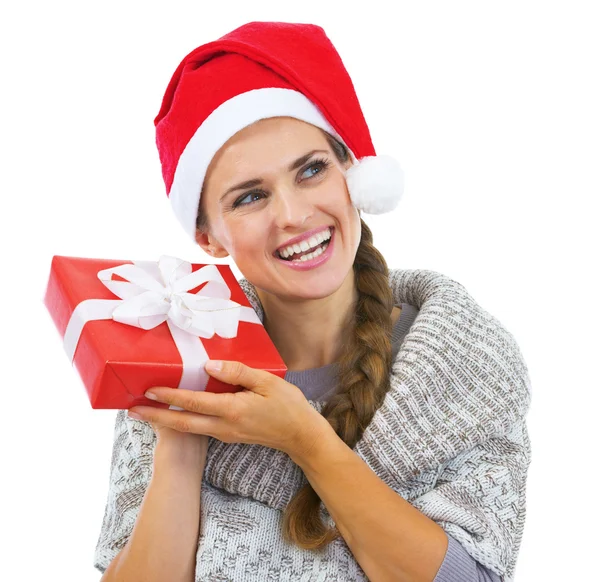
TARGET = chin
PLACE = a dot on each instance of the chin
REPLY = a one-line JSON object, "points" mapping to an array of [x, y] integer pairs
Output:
{"points": [[304, 286]]}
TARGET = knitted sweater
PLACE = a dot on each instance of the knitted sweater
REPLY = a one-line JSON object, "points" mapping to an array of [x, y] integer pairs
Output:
{"points": [[460, 452]]}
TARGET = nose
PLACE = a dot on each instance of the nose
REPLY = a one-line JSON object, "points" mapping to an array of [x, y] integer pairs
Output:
{"points": [[292, 208]]}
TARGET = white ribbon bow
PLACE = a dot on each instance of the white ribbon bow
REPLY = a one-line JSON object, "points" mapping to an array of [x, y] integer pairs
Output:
{"points": [[155, 292]]}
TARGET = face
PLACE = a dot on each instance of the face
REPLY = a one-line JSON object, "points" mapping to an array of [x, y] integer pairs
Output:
{"points": [[251, 223]]}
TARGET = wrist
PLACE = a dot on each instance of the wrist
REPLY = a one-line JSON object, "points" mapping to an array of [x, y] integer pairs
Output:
{"points": [[315, 433], [186, 449]]}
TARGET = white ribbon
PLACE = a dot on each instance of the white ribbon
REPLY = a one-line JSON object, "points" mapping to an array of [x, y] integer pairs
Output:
{"points": [[155, 292]]}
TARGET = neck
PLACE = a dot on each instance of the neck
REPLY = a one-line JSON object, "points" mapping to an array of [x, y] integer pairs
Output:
{"points": [[309, 334]]}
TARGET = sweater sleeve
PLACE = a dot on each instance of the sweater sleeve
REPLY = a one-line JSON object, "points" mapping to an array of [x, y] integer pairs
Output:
{"points": [[130, 473], [459, 566], [479, 500]]}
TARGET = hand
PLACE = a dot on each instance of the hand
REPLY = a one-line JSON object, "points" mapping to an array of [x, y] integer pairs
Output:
{"points": [[269, 411], [165, 434]]}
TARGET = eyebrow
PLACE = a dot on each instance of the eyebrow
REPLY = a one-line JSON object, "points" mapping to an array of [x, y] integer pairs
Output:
{"points": [[251, 183]]}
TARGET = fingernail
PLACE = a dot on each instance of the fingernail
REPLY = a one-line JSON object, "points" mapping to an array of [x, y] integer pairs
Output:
{"points": [[214, 365], [134, 415], [150, 395]]}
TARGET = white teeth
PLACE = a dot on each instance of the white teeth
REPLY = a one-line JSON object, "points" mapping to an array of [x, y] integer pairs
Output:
{"points": [[305, 245], [310, 256]]}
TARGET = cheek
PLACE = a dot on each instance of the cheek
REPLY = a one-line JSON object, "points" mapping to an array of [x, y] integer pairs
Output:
{"points": [[339, 192], [247, 241], [338, 202], [353, 224]]}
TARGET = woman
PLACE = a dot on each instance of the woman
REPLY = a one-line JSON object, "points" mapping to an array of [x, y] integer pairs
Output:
{"points": [[395, 448]]}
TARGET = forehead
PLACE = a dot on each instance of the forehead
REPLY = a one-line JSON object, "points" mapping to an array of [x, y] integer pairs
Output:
{"points": [[272, 141], [276, 131]]}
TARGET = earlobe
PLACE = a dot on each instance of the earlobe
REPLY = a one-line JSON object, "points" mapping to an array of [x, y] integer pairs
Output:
{"points": [[221, 254], [218, 252], [214, 250], [202, 239]]}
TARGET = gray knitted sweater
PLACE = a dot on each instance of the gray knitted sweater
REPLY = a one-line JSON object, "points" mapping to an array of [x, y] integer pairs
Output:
{"points": [[457, 406]]}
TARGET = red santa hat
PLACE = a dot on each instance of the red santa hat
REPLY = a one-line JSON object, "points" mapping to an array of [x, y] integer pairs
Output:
{"points": [[261, 70]]}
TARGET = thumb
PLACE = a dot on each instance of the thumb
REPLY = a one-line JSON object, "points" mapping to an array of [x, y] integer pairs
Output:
{"points": [[237, 374]]}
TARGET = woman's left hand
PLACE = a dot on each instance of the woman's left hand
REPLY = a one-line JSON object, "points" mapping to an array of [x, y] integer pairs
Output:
{"points": [[269, 412]]}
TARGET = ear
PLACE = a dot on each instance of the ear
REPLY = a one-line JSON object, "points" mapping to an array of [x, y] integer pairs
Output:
{"points": [[210, 245]]}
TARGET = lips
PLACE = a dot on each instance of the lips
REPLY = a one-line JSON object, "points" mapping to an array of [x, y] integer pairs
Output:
{"points": [[306, 236]]}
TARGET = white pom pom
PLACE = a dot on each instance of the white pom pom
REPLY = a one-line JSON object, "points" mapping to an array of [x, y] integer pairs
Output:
{"points": [[375, 184]]}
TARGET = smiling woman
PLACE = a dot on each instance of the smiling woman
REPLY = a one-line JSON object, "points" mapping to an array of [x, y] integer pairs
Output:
{"points": [[390, 446], [303, 192]]}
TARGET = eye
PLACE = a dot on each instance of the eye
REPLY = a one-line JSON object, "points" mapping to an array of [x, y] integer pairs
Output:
{"points": [[238, 202], [320, 163]]}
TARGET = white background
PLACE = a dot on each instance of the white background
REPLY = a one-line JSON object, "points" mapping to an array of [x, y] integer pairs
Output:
{"points": [[492, 110]]}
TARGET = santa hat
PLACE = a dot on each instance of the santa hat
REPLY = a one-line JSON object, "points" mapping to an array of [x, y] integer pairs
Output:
{"points": [[261, 70]]}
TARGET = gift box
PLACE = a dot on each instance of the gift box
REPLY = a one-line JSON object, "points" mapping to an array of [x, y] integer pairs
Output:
{"points": [[130, 325]]}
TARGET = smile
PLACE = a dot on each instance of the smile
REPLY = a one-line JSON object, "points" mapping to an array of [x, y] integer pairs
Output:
{"points": [[306, 248], [317, 251]]}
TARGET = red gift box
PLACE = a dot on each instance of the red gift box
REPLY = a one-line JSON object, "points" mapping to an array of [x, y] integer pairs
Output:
{"points": [[97, 313]]}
